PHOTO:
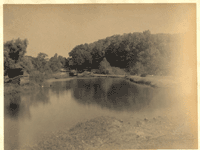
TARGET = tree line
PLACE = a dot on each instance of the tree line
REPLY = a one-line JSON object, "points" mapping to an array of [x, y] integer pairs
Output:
{"points": [[136, 53], [14, 57]]}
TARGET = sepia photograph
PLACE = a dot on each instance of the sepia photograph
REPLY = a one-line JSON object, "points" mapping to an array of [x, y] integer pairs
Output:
{"points": [[100, 76]]}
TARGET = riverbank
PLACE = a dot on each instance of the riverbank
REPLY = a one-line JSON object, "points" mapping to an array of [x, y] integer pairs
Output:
{"points": [[111, 133], [27, 86], [106, 132], [153, 81]]}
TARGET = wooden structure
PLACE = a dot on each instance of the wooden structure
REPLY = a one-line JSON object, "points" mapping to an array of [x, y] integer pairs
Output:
{"points": [[15, 74]]}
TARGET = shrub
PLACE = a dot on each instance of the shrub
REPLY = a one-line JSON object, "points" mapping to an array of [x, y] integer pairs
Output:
{"points": [[137, 69], [37, 77], [104, 67], [48, 74], [118, 71]]}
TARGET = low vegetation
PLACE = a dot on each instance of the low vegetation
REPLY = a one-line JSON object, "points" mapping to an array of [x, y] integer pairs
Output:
{"points": [[111, 133], [37, 77]]}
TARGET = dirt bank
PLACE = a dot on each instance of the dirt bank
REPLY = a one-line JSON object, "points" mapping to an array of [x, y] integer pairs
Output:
{"points": [[111, 133]]}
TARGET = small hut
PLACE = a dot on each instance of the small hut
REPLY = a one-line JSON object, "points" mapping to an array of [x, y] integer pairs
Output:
{"points": [[15, 73]]}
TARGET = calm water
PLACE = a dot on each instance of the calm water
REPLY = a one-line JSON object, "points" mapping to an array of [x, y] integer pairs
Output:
{"points": [[30, 116]]}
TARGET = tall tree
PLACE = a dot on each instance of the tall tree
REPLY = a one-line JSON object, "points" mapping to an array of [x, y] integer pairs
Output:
{"points": [[14, 51], [63, 61], [98, 54], [146, 52], [41, 62], [81, 57], [54, 63]]}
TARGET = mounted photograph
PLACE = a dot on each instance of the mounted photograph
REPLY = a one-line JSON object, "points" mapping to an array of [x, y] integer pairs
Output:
{"points": [[100, 76]]}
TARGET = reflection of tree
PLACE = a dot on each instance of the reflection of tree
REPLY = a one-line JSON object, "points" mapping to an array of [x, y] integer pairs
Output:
{"points": [[34, 98], [17, 107], [40, 97], [60, 87], [11, 134], [83, 88], [14, 107], [117, 94], [106, 84]]}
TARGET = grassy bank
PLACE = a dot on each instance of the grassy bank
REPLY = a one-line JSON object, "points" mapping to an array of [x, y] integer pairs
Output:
{"points": [[153, 81], [33, 82], [111, 133]]}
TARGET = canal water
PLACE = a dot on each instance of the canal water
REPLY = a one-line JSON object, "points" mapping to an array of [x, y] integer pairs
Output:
{"points": [[28, 117]]}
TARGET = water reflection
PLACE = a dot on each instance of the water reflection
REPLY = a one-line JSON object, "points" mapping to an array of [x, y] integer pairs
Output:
{"points": [[65, 103], [40, 97], [17, 109], [14, 107], [116, 94], [60, 87]]}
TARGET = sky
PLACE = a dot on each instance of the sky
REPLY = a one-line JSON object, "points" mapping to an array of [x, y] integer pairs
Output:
{"points": [[59, 28]]}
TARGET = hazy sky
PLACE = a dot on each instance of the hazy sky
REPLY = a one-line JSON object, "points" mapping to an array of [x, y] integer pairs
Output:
{"points": [[59, 28]]}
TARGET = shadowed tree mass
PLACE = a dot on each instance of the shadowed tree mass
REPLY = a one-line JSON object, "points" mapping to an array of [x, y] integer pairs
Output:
{"points": [[135, 53]]}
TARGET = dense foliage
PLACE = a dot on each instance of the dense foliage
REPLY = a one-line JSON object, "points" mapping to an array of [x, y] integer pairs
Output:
{"points": [[14, 51], [137, 53], [36, 77], [38, 67]]}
